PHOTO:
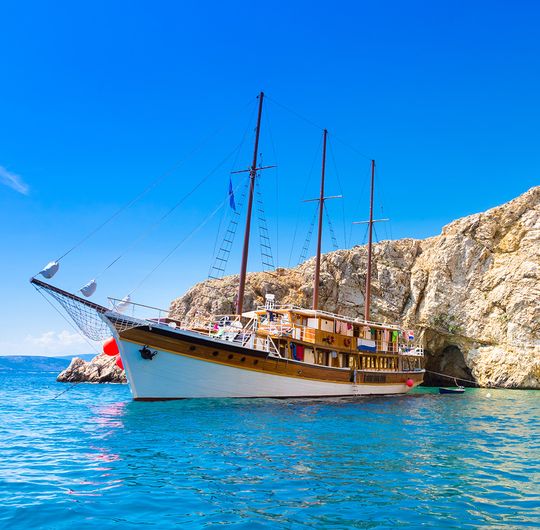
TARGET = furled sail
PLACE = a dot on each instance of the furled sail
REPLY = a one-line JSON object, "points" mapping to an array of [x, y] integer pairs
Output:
{"points": [[123, 304], [50, 269], [89, 289]]}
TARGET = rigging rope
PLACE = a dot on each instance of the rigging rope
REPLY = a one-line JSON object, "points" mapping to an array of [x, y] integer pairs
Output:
{"points": [[233, 167], [312, 123], [170, 211], [331, 228], [307, 242], [151, 186], [303, 195], [331, 149], [297, 114], [217, 270], [181, 242], [78, 331], [456, 378], [276, 162], [267, 260]]}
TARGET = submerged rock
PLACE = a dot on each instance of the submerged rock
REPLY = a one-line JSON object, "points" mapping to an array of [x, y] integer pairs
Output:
{"points": [[101, 369], [472, 292]]}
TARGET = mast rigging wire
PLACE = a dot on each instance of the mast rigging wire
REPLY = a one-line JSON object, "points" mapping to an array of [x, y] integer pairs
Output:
{"points": [[182, 241], [170, 211], [307, 241], [151, 186], [340, 191], [312, 123], [78, 331], [331, 228], [233, 166], [276, 162], [220, 259], [307, 181]]}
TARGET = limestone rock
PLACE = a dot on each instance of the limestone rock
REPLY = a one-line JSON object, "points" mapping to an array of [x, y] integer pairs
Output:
{"points": [[473, 292], [101, 369]]}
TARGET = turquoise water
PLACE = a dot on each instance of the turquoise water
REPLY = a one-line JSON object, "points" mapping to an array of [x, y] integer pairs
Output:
{"points": [[94, 459]]}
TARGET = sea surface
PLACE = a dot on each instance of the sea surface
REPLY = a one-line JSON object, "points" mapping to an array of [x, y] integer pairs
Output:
{"points": [[86, 456]]}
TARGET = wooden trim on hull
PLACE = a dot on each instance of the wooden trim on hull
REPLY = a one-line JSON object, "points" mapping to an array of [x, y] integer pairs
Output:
{"points": [[235, 356]]}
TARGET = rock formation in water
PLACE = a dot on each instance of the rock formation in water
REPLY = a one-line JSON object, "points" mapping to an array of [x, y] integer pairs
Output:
{"points": [[473, 292], [101, 369]]}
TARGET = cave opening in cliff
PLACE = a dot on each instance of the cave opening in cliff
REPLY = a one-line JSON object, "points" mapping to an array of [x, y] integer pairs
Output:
{"points": [[450, 361]]}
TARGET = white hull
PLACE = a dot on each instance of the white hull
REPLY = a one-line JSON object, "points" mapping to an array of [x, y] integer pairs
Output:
{"points": [[175, 376]]}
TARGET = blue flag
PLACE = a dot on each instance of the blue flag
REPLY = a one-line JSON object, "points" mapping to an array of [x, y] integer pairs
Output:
{"points": [[231, 195]]}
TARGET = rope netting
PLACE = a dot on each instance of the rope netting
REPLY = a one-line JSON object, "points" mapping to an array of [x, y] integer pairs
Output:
{"points": [[87, 316]]}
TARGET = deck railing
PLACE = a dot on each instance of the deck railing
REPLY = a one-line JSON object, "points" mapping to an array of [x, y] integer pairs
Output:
{"points": [[230, 328], [329, 315], [248, 332]]}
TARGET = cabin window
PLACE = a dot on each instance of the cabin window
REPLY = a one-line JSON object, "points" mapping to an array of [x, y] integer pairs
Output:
{"points": [[322, 357], [327, 325], [309, 357], [334, 359], [313, 323], [356, 331]]}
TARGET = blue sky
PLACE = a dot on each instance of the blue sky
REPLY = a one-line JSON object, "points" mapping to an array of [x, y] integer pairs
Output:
{"points": [[99, 100]]}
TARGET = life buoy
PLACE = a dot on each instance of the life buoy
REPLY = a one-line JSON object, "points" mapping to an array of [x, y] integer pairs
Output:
{"points": [[347, 342]]}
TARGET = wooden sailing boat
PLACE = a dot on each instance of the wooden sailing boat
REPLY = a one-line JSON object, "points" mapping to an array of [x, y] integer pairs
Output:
{"points": [[272, 351]]}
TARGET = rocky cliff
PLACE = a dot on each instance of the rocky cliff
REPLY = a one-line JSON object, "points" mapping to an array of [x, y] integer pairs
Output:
{"points": [[473, 292], [101, 369]]}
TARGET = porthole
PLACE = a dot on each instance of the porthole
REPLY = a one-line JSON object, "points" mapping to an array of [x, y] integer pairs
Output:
{"points": [[256, 361], [215, 353], [230, 356], [192, 348], [242, 359]]}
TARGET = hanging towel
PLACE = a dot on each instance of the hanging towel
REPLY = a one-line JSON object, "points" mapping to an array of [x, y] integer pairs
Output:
{"points": [[366, 345], [294, 351], [299, 352]]}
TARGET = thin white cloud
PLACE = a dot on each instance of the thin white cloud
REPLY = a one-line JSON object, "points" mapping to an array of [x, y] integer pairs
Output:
{"points": [[53, 338], [13, 181], [51, 343]]}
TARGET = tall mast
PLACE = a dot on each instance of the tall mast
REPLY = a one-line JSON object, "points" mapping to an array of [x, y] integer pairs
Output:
{"points": [[319, 236], [370, 244], [252, 176]]}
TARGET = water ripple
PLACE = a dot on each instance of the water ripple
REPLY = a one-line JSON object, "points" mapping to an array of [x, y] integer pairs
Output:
{"points": [[94, 458]]}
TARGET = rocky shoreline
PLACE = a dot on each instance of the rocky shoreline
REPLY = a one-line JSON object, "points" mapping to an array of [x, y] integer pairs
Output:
{"points": [[101, 369], [473, 294]]}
